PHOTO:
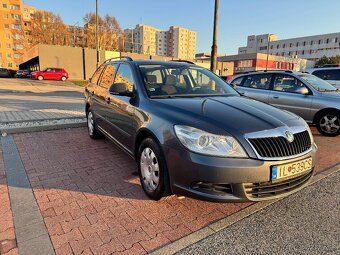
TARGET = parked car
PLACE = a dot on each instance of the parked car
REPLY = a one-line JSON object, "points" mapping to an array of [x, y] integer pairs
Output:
{"points": [[306, 95], [4, 73], [22, 74], [50, 74], [330, 74], [194, 135]]}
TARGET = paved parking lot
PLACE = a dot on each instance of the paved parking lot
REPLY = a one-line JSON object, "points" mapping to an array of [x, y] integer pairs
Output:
{"points": [[92, 202]]}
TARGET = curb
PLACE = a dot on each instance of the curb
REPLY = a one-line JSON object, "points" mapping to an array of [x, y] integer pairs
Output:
{"points": [[217, 226], [59, 124]]}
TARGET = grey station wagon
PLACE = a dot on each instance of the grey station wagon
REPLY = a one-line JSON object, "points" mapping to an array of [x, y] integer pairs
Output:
{"points": [[194, 135], [306, 95]]}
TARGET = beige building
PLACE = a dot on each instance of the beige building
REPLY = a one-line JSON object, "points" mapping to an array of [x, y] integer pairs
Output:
{"points": [[15, 35], [308, 47], [177, 42]]}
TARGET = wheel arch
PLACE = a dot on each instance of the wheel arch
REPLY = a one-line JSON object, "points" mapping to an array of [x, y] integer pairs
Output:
{"points": [[141, 135], [322, 111]]}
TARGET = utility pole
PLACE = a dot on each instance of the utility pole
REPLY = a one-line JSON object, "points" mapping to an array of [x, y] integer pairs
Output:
{"points": [[97, 41], [267, 52], [213, 60]]}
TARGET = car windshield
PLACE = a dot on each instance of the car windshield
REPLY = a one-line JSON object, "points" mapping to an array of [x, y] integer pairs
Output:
{"points": [[317, 83], [167, 81]]}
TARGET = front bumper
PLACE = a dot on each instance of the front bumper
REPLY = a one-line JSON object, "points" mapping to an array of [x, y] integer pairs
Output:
{"points": [[230, 179]]}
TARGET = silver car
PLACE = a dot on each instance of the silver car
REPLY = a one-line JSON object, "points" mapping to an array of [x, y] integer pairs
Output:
{"points": [[306, 95]]}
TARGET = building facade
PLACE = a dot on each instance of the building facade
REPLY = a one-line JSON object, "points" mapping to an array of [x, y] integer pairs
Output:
{"points": [[308, 47], [15, 31], [177, 42]]}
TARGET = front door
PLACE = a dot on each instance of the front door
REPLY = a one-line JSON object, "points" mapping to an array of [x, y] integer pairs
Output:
{"points": [[284, 95], [121, 112]]}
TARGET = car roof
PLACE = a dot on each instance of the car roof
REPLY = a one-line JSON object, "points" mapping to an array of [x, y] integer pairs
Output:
{"points": [[270, 71], [310, 70], [153, 62]]}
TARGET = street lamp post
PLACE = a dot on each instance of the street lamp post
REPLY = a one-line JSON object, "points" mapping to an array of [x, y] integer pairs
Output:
{"points": [[213, 60], [97, 42], [267, 52]]}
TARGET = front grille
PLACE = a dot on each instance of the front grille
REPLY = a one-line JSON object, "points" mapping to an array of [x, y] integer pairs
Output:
{"points": [[212, 188], [269, 189], [277, 147]]}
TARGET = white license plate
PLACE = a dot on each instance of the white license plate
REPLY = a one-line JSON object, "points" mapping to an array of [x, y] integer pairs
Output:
{"points": [[291, 169]]}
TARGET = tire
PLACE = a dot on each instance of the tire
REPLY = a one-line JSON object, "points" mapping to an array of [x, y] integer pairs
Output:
{"points": [[40, 77], [328, 123], [91, 126], [63, 78], [152, 169]]}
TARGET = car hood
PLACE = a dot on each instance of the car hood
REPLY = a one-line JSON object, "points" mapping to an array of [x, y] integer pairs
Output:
{"points": [[233, 114]]}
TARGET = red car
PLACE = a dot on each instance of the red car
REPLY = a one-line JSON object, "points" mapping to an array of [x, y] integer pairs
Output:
{"points": [[50, 74]]}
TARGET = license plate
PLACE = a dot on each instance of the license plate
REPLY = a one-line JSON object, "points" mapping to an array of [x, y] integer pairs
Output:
{"points": [[288, 170]]}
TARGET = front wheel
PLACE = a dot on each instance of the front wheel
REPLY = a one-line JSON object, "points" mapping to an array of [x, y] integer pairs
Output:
{"points": [[91, 126], [63, 78], [328, 124], [153, 173], [40, 77]]}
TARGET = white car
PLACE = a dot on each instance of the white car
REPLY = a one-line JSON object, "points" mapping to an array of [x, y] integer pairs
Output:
{"points": [[330, 74]]}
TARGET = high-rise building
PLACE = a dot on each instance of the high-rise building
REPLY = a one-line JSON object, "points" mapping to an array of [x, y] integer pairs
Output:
{"points": [[308, 47], [15, 31], [176, 42]]}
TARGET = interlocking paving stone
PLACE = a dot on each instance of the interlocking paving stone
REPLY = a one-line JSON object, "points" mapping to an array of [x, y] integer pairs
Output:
{"points": [[31, 235]]}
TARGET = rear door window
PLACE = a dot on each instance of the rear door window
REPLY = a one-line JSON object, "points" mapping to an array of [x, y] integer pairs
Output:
{"points": [[108, 76], [258, 81]]}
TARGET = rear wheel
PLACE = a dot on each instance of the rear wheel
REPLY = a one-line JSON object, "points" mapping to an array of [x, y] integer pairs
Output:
{"points": [[91, 126], [40, 77], [328, 123], [63, 78], [153, 172]]}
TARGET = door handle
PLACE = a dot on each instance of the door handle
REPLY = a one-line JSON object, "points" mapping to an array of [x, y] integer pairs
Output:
{"points": [[276, 97]]}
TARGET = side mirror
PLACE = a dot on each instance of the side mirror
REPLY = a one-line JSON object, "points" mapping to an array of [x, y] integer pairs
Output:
{"points": [[120, 89], [302, 91]]}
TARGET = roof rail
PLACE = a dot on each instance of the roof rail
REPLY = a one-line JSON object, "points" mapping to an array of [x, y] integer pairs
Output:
{"points": [[185, 61], [121, 57]]}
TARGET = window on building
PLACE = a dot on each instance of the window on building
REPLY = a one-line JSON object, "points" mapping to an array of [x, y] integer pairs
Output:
{"points": [[16, 16], [284, 45], [311, 42], [320, 41], [27, 24], [18, 46], [8, 36], [9, 65], [16, 26], [327, 40], [16, 55], [15, 7], [8, 45], [303, 52], [290, 45], [4, 5], [6, 26], [8, 55], [297, 44], [5, 15], [277, 46], [271, 47], [304, 43]]}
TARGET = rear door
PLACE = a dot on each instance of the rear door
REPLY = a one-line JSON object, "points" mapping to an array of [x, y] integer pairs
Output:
{"points": [[283, 95], [57, 74], [256, 86]]}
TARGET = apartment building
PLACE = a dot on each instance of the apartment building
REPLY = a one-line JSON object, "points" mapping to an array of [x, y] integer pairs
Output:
{"points": [[177, 42], [15, 31], [308, 47]]}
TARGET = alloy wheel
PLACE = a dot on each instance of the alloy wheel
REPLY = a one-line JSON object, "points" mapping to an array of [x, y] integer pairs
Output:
{"points": [[330, 124]]}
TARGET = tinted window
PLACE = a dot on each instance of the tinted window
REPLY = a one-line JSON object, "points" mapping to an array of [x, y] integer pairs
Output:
{"points": [[333, 74], [107, 78], [125, 75], [237, 81], [96, 75], [57, 70], [287, 83], [259, 81]]}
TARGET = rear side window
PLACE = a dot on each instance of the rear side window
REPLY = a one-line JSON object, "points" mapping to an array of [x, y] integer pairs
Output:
{"points": [[333, 74], [259, 81], [237, 81], [96, 75], [108, 75]]}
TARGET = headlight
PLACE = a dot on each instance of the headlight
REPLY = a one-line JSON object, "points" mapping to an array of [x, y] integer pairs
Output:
{"points": [[199, 141], [310, 133]]}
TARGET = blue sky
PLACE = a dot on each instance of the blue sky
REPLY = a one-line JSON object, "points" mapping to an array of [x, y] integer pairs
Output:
{"points": [[237, 18]]}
